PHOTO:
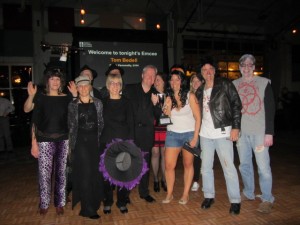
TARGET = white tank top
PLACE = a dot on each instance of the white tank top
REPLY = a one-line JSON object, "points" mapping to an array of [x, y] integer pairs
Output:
{"points": [[183, 119]]}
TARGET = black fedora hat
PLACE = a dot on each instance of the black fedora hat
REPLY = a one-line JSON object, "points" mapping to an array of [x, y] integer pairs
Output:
{"points": [[56, 65], [114, 67], [86, 67], [123, 163], [207, 60]]}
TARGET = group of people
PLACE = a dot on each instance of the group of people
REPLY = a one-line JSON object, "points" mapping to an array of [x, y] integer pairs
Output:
{"points": [[241, 111], [212, 114]]}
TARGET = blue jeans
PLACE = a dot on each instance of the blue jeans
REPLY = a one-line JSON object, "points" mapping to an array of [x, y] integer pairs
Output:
{"points": [[245, 145], [174, 139], [224, 150]]}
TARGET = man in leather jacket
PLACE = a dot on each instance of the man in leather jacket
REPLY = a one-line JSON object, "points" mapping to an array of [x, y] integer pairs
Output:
{"points": [[221, 120]]}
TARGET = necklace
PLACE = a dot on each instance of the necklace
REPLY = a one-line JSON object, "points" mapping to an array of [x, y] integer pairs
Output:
{"points": [[84, 102]]}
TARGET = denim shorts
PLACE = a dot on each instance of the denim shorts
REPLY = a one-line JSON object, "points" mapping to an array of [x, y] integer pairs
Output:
{"points": [[174, 139]]}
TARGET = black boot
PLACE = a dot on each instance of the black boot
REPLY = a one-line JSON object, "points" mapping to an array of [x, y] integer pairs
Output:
{"points": [[164, 185], [156, 186]]}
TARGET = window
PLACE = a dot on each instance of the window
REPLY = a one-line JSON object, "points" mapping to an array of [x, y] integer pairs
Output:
{"points": [[225, 51], [13, 86]]}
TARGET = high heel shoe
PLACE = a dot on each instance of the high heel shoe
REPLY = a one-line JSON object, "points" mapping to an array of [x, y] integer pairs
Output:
{"points": [[59, 210], [107, 210], [183, 202], [123, 209], [43, 211], [164, 185], [167, 200], [156, 186]]}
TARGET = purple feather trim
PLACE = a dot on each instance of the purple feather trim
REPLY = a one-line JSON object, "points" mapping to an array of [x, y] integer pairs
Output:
{"points": [[130, 184]]}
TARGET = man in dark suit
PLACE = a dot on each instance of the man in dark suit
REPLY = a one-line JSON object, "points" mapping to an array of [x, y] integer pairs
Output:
{"points": [[141, 95]]}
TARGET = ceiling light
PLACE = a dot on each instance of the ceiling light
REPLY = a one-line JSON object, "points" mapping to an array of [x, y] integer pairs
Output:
{"points": [[82, 13]]}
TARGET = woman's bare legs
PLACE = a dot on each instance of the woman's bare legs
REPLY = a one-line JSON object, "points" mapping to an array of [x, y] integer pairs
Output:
{"points": [[171, 155], [188, 173]]}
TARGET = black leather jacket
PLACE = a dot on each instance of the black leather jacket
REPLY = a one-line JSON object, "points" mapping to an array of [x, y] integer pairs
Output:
{"points": [[225, 104]]}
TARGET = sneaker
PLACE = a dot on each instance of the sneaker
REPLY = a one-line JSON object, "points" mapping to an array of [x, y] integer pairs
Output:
{"points": [[244, 198], [265, 207], [195, 186]]}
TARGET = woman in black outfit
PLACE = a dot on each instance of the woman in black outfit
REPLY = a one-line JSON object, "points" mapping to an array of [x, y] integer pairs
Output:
{"points": [[118, 120], [86, 123], [50, 136]]}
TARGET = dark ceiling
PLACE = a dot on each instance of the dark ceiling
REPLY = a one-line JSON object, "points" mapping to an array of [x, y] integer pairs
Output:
{"points": [[261, 17]]}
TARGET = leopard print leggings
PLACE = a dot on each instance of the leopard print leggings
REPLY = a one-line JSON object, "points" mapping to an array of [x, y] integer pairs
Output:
{"points": [[53, 155]]}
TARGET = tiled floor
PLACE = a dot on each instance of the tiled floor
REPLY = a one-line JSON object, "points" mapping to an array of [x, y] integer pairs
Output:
{"points": [[19, 196]]}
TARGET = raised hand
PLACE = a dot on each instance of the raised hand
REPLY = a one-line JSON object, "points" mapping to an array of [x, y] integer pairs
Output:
{"points": [[31, 89], [72, 88]]}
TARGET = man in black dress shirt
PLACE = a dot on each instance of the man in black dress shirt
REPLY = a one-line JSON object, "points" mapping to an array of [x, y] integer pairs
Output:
{"points": [[143, 109]]}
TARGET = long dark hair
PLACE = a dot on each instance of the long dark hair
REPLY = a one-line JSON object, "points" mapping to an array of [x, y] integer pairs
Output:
{"points": [[182, 92], [164, 77]]}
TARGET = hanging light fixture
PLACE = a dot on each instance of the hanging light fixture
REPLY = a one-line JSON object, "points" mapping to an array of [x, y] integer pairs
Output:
{"points": [[82, 13]]}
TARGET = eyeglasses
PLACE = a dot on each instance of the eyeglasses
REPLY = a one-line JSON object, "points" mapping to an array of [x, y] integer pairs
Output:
{"points": [[118, 84], [246, 65]]}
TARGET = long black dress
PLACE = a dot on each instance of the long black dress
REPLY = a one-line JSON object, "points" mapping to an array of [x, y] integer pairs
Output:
{"points": [[86, 178]]}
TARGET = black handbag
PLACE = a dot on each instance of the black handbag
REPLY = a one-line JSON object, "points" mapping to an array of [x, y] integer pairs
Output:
{"points": [[195, 151]]}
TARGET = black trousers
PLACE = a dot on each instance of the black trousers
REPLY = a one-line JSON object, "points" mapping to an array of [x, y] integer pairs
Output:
{"points": [[144, 183], [144, 139], [197, 164], [122, 195]]}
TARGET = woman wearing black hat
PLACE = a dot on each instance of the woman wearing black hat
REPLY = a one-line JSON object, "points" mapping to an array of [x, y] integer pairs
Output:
{"points": [[50, 136], [118, 120]]}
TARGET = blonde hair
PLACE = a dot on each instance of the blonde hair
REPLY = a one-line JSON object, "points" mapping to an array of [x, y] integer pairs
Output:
{"points": [[110, 77]]}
